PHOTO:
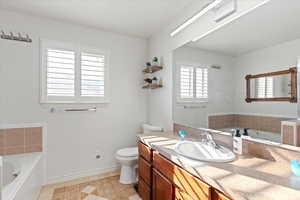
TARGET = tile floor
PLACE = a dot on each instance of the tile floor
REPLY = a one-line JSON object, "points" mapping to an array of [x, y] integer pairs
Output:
{"points": [[103, 187]]}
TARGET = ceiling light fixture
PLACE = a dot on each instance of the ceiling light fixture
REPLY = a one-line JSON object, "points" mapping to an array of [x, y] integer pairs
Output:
{"points": [[197, 16]]}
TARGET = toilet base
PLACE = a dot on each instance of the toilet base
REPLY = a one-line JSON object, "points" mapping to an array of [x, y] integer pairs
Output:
{"points": [[128, 175]]}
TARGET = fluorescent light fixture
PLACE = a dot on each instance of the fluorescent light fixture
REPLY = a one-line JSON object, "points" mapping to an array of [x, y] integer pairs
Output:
{"points": [[231, 20], [197, 16]]}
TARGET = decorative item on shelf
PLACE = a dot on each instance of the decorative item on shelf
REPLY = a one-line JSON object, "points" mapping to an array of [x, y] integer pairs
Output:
{"points": [[155, 61], [148, 65], [154, 81]]}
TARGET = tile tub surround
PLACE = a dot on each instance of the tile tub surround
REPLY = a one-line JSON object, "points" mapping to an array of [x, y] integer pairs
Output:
{"points": [[263, 123], [246, 178], [21, 140]]}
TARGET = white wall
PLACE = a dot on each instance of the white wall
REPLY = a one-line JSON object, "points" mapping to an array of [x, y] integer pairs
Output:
{"points": [[276, 58], [161, 44], [73, 138], [220, 86]]}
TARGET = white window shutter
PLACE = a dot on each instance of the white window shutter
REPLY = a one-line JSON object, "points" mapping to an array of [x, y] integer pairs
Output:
{"points": [[193, 84], [269, 87], [264, 87], [201, 79], [186, 82], [71, 73], [92, 75], [60, 73]]}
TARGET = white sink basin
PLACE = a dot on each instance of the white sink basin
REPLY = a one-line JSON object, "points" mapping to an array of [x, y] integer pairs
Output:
{"points": [[204, 152]]}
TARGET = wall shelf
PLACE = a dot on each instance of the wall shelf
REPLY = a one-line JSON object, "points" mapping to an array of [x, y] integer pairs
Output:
{"points": [[152, 69], [152, 86]]}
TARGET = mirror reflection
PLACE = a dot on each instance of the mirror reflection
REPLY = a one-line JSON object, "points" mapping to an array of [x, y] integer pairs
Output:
{"points": [[210, 87], [271, 87]]}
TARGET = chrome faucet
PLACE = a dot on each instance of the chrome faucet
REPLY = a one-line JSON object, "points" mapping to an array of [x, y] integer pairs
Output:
{"points": [[209, 139]]}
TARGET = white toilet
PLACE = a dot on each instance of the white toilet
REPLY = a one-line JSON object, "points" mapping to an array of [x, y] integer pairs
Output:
{"points": [[128, 158]]}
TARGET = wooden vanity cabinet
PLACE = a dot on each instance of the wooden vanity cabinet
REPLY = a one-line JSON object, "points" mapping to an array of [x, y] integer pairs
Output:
{"points": [[162, 188], [144, 171], [161, 179]]}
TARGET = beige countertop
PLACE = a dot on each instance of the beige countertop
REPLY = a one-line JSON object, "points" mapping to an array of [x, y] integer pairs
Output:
{"points": [[246, 178]]}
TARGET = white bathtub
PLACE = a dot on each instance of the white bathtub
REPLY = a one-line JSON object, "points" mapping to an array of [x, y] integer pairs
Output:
{"points": [[257, 134], [22, 176]]}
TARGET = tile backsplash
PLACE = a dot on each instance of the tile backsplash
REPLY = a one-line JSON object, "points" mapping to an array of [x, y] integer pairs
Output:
{"points": [[276, 153], [263, 123], [21, 140]]}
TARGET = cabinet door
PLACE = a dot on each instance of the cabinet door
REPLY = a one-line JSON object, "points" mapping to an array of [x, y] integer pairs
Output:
{"points": [[162, 188], [181, 195], [216, 195], [145, 170], [144, 190]]}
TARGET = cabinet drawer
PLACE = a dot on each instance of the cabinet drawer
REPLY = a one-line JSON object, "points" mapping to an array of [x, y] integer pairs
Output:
{"points": [[181, 195], [216, 195], [145, 170], [145, 152], [144, 190], [191, 185]]}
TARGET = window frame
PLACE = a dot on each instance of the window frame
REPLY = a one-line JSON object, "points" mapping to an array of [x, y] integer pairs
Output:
{"points": [[78, 50], [178, 85]]}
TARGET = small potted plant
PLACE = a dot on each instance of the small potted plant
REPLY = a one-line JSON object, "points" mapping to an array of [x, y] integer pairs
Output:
{"points": [[154, 81]]}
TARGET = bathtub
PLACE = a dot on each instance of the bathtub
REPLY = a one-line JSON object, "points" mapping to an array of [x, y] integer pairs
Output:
{"points": [[22, 176], [257, 134]]}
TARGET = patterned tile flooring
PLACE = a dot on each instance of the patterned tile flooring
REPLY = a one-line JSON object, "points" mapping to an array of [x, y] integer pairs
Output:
{"points": [[107, 188]]}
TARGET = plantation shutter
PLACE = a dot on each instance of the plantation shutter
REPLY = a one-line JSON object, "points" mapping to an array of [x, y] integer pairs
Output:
{"points": [[60, 67], [201, 83], [92, 75], [186, 82]]}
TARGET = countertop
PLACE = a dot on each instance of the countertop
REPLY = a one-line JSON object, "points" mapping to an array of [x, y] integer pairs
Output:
{"points": [[246, 178]]}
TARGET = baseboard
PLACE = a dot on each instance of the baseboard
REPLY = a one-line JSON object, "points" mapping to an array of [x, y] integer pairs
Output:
{"points": [[80, 174]]}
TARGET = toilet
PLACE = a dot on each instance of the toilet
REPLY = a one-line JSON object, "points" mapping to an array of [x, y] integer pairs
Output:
{"points": [[128, 158]]}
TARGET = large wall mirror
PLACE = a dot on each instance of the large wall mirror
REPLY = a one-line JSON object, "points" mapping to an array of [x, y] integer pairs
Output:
{"points": [[272, 86], [209, 76]]}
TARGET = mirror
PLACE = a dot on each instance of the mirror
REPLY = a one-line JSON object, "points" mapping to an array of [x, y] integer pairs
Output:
{"points": [[209, 86], [273, 86]]}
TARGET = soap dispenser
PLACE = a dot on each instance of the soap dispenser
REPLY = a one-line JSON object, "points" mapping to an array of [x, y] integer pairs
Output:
{"points": [[237, 142]]}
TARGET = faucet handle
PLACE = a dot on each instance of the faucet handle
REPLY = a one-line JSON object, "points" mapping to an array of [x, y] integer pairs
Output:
{"points": [[182, 134]]}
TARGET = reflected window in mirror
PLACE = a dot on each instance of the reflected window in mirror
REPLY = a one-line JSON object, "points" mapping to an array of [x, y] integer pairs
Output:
{"points": [[192, 84], [264, 87]]}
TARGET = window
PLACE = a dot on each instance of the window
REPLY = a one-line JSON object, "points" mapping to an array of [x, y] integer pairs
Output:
{"points": [[73, 74], [264, 87], [193, 84]]}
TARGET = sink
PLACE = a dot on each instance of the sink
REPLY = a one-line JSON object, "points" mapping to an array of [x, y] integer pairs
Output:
{"points": [[204, 152]]}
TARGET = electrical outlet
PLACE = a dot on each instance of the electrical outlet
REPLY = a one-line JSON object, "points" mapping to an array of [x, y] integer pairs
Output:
{"points": [[97, 155]]}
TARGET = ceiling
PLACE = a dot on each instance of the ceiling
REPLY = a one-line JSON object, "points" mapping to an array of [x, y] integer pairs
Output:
{"points": [[268, 25], [134, 17]]}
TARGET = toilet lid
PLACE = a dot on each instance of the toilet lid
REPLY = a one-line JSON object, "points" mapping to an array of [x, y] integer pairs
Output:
{"points": [[128, 152]]}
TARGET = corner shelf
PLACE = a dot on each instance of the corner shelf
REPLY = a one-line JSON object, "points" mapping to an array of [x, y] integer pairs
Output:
{"points": [[152, 86], [152, 69]]}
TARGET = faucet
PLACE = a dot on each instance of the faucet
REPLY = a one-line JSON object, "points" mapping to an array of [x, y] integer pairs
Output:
{"points": [[209, 139]]}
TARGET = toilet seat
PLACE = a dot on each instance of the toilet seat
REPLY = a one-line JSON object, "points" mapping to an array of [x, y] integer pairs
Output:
{"points": [[128, 152]]}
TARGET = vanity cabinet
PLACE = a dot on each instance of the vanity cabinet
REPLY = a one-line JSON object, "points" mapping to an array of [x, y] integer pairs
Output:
{"points": [[161, 179], [144, 171], [162, 188]]}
